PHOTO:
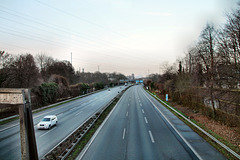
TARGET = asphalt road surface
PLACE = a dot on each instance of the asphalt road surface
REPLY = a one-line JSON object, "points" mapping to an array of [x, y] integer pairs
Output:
{"points": [[70, 116], [137, 129]]}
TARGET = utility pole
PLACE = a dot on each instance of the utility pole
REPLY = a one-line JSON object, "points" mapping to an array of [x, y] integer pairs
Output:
{"points": [[98, 68], [190, 62], [71, 58], [159, 69]]}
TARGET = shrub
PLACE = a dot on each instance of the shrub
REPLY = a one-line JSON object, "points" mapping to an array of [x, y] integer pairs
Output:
{"points": [[48, 92], [99, 86]]}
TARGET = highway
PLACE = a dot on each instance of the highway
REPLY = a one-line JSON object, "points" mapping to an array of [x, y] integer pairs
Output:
{"points": [[70, 116], [139, 127]]}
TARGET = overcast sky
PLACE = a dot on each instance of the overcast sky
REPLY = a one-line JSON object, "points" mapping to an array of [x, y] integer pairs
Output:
{"points": [[126, 36]]}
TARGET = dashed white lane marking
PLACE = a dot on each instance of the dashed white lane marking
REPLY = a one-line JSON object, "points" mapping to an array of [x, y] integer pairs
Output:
{"points": [[128, 104], [146, 120], [72, 108], [142, 111], [124, 132], [151, 136], [126, 114], [79, 113], [48, 132], [140, 104]]}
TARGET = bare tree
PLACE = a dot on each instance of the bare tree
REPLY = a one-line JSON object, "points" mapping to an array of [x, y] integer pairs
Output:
{"points": [[206, 56], [229, 52], [43, 61], [22, 73], [5, 59]]}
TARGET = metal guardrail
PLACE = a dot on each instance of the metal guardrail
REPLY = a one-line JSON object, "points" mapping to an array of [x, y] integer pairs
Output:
{"points": [[64, 148], [199, 128]]}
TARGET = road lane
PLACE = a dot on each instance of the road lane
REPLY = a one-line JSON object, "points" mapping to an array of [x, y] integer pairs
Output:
{"points": [[190, 139], [167, 144], [139, 143], [136, 130], [70, 116], [130, 137]]}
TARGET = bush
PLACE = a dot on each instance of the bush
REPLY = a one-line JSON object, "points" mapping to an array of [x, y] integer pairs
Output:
{"points": [[79, 89], [84, 88], [99, 86], [48, 92], [227, 119], [63, 86]]}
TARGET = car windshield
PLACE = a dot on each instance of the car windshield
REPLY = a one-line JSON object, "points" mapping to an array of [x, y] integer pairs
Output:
{"points": [[46, 119]]}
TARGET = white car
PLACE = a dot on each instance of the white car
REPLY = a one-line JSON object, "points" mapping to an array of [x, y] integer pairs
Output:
{"points": [[47, 122]]}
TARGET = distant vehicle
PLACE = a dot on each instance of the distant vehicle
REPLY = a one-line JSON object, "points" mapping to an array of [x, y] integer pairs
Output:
{"points": [[126, 84], [108, 89], [47, 122]]}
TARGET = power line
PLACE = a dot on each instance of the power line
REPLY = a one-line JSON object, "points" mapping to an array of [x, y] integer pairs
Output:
{"points": [[130, 54], [29, 37], [64, 30], [27, 32], [48, 25], [82, 19], [10, 44]]}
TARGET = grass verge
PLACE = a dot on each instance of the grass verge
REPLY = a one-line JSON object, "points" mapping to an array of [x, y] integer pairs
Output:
{"points": [[78, 148], [8, 120]]}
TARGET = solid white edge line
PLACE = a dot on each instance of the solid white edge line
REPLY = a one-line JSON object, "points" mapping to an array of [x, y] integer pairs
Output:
{"points": [[69, 134], [206, 133], [186, 142], [85, 149], [151, 136]]}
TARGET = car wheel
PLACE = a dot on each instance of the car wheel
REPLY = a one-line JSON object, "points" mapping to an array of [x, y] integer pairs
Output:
{"points": [[49, 126], [56, 123]]}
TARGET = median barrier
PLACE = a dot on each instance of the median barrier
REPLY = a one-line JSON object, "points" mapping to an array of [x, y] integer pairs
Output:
{"points": [[65, 147]]}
